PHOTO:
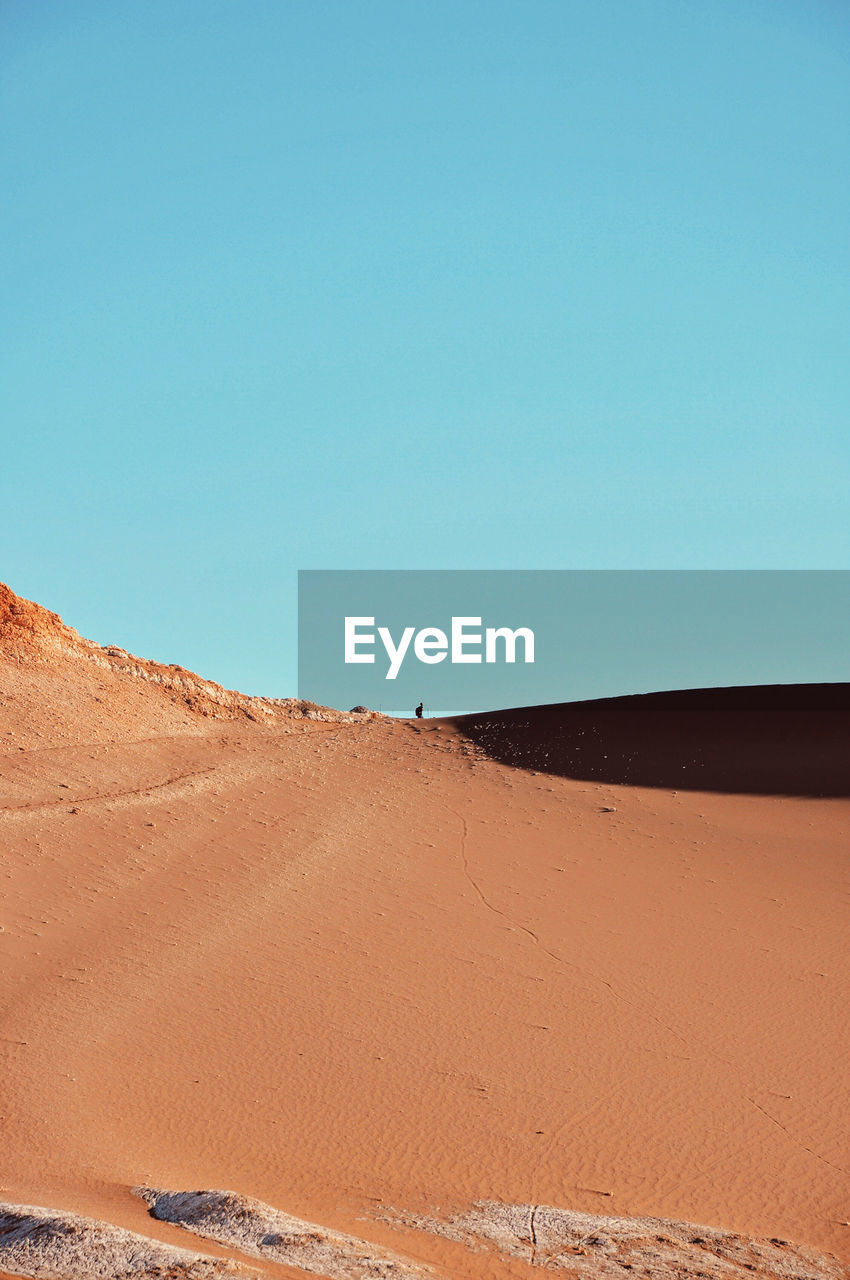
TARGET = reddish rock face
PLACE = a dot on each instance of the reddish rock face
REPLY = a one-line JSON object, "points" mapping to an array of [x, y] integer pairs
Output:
{"points": [[27, 627], [33, 635]]}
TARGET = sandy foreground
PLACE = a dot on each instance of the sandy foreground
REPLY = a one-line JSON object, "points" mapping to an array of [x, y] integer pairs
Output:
{"points": [[373, 973]]}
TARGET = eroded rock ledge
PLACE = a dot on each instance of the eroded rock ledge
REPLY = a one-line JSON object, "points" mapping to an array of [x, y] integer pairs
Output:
{"points": [[45, 1244]]}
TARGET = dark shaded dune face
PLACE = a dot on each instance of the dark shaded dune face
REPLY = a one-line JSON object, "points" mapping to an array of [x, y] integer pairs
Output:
{"points": [[789, 740]]}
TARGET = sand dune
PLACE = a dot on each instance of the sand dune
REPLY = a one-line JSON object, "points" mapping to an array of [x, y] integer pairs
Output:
{"points": [[772, 740], [363, 970]]}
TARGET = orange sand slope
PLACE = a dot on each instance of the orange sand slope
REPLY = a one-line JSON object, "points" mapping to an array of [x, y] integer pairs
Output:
{"points": [[374, 973]]}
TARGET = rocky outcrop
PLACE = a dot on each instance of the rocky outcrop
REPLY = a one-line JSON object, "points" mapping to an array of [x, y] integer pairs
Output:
{"points": [[603, 1247], [44, 1243], [30, 634], [264, 1232]]}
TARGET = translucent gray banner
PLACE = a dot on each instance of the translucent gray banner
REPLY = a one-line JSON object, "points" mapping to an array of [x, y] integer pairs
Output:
{"points": [[468, 641]]}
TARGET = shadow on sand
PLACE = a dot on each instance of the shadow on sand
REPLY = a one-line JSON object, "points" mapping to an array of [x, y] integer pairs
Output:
{"points": [[769, 740]]}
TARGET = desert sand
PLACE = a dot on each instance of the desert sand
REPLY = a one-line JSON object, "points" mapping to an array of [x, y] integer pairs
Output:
{"points": [[378, 975]]}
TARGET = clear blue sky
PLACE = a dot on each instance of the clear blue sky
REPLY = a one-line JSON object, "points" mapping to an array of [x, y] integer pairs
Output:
{"points": [[414, 283]]}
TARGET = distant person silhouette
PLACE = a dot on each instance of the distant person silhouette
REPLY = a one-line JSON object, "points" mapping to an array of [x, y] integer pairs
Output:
{"points": [[419, 712]]}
